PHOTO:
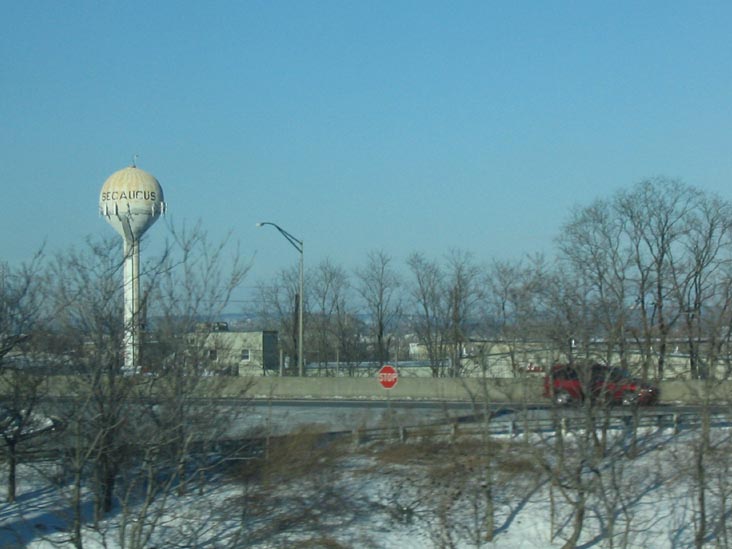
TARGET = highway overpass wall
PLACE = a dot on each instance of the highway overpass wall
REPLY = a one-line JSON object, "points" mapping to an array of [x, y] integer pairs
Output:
{"points": [[495, 389], [466, 389], [500, 390]]}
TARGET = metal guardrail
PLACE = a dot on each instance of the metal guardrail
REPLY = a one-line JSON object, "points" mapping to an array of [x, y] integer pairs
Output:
{"points": [[517, 424], [505, 422]]}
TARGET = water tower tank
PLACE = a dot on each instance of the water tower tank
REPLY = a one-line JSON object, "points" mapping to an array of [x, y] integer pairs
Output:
{"points": [[131, 200]]}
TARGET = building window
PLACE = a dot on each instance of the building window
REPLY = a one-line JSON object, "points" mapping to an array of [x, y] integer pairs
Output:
{"points": [[212, 354], [245, 355]]}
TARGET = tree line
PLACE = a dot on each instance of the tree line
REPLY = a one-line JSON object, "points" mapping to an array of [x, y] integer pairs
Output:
{"points": [[635, 278]]}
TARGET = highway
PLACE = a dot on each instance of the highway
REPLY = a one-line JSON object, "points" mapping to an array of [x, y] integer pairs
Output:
{"points": [[346, 415], [281, 416]]}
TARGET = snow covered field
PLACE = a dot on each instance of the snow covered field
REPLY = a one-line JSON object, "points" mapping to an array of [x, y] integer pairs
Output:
{"points": [[654, 491]]}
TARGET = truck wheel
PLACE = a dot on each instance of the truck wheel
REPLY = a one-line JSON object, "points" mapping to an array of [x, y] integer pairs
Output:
{"points": [[562, 398], [629, 399]]}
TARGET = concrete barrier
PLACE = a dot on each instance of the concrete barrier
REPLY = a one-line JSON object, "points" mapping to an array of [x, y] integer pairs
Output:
{"points": [[465, 389], [406, 388], [493, 390]]}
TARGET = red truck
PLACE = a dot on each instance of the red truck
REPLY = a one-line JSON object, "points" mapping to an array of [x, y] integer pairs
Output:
{"points": [[566, 384]]}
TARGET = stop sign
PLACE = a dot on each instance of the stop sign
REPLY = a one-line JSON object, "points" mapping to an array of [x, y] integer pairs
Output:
{"points": [[388, 376]]}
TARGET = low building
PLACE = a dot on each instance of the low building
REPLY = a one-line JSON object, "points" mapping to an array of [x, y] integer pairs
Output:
{"points": [[242, 353]]}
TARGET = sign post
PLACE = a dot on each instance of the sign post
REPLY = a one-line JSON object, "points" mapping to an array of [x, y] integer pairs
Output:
{"points": [[388, 376]]}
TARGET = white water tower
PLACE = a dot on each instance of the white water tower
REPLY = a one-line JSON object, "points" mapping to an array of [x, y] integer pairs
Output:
{"points": [[131, 200]]}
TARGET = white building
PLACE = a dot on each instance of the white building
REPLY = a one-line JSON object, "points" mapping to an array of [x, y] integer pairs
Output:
{"points": [[241, 353]]}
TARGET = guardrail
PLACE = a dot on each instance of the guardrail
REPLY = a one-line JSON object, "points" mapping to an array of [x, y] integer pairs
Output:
{"points": [[518, 423], [512, 423]]}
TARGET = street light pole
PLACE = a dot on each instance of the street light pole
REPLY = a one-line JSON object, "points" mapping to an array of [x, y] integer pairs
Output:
{"points": [[298, 245]]}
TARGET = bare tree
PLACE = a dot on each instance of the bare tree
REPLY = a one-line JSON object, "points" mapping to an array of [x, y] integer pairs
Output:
{"points": [[569, 311], [88, 295], [655, 265], [592, 243], [465, 294], [379, 286], [20, 419], [193, 287], [22, 320], [445, 301], [431, 306], [330, 287], [132, 432], [20, 303], [656, 211], [278, 302], [701, 281], [653, 256], [512, 305]]}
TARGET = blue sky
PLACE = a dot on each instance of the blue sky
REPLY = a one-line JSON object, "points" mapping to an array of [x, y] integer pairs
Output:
{"points": [[401, 126]]}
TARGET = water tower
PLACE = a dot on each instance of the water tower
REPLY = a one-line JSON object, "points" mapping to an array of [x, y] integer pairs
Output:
{"points": [[131, 200]]}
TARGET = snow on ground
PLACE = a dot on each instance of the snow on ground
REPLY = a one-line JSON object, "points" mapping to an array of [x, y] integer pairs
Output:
{"points": [[389, 498]]}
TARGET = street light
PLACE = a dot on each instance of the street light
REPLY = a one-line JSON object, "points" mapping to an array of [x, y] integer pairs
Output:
{"points": [[298, 245]]}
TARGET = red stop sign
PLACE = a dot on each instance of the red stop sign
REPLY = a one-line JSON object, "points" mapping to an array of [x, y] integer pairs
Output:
{"points": [[388, 376]]}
